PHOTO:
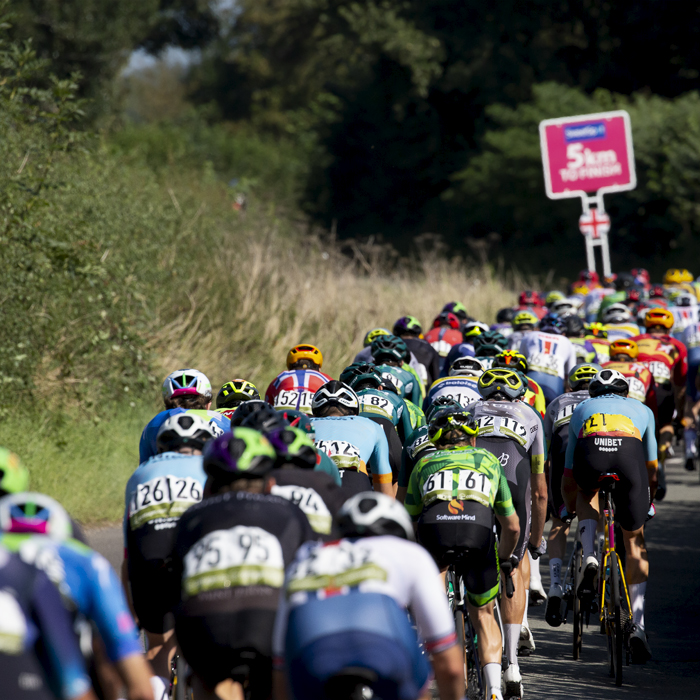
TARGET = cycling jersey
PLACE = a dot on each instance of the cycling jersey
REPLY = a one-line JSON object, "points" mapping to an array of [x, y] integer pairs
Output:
{"points": [[585, 350], [666, 357], [683, 317], [601, 347], [461, 350], [428, 359], [415, 414], [621, 331], [417, 446], [326, 465], [641, 381], [375, 402], [148, 447], [442, 339], [534, 396], [462, 389], [231, 553], [691, 340], [355, 443], [156, 495], [89, 586], [406, 384], [505, 329], [592, 301], [516, 339], [295, 388], [33, 622], [550, 358]]}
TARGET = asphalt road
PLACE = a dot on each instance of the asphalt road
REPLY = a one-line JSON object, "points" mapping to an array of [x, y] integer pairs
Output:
{"points": [[672, 614]]}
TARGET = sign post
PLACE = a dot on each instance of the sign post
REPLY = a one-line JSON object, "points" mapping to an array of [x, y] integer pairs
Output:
{"points": [[590, 153]]}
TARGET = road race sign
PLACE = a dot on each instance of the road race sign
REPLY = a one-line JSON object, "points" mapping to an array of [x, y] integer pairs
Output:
{"points": [[594, 223], [586, 154]]}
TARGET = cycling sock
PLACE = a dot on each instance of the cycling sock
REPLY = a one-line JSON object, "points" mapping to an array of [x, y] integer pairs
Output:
{"points": [[555, 570], [586, 531], [512, 637], [637, 593], [527, 605], [492, 676], [535, 576]]}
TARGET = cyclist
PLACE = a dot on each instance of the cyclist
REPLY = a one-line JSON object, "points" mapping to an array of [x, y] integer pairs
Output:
{"points": [[691, 340], [623, 358], [459, 310], [156, 495], [32, 621], [575, 331], [556, 431], [460, 385], [408, 328], [550, 356], [296, 387], [532, 302], [353, 442], [512, 359], [388, 353], [345, 606], [487, 345], [685, 313], [618, 322], [228, 568], [365, 355], [37, 528], [596, 333], [613, 433], [233, 394], [445, 333], [464, 349], [453, 495], [504, 322], [186, 390], [524, 322], [512, 432]]}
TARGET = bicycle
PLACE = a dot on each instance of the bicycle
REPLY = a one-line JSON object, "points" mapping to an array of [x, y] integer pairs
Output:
{"points": [[351, 683]]}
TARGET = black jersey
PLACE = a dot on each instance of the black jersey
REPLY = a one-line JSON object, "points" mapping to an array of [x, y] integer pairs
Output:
{"points": [[426, 355]]}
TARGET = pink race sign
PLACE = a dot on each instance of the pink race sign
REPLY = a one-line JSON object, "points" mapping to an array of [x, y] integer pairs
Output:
{"points": [[588, 153]]}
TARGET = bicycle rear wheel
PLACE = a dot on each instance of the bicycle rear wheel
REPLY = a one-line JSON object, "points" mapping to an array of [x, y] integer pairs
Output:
{"points": [[475, 684], [578, 617], [461, 644], [616, 622]]}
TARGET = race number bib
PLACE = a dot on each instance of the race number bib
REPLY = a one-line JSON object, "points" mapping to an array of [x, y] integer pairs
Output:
{"points": [[311, 505], [543, 362], [500, 426], [470, 485], [241, 556], [295, 399], [419, 445], [377, 405], [564, 415], [344, 454], [463, 397], [393, 379], [162, 499], [637, 389], [442, 347], [660, 370], [13, 625]]}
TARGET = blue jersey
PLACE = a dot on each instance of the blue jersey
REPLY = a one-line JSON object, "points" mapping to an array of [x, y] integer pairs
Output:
{"points": [[88, 584], [464, 390], [36, 630], [355, 442], [456, 351], [147, 446], [611, 418]]}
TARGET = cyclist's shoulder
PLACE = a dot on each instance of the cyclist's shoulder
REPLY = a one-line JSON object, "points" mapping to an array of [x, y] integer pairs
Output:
{"points": [[166, 463]]}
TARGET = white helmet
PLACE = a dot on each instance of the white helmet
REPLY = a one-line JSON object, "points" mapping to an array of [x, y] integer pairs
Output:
{"points": [[609, 381], [35, 513], [185, 429], [466, 367], [372, 514], [563, 307], [616, 313], [335, 393], [474, 328], [185, 382], [685, 299]]}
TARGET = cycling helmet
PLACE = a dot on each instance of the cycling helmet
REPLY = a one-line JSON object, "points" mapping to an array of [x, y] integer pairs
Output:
{"points": [[293, 446], [685, 299], [466, 367], [589, 276], [388, 384], [505, 315], [489, 344], [372, 514], [563, 307], [335, 393], [641, 275], [673, 276], [361, 375], [510, 359], [686, 275], [440, 403], [265, 420], [551, 323], [610, 279], [657, 292], [624, 281], [183, 430], [14, 477], [304, 352], [506, 382], [245, 409], [573, 326], [446, 318], [300, 420], [186, 382], [553, 297], [373, 335], [609, 381], [624, 346], [459, 310], [530, 298], [234, 393], [596, 330], [243, 453], [34, 513], [474, 328], [581, 375], [658, 317], [389, 348], [524, 318], [408, 324], [616, 313], [448, 419]]}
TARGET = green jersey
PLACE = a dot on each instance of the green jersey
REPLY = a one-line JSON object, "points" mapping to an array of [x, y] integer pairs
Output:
{"points": [[462, 473], [414, 372], [405, 382], [374, 402], [416, 414]]}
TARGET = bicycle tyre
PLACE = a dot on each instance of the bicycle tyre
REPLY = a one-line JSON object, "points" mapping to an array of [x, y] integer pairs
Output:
{"points": [[475, 684], [578, 616], [616, 626], [181, 679], [461, 644]]}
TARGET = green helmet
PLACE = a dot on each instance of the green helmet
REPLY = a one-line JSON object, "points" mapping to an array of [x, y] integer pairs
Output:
{"points": [[243, 453], [489, 344], [440, 403], [389, 348], [361, 375], [506, 382], [450, 418], [373, 335], [293, 446], [14, 477]]}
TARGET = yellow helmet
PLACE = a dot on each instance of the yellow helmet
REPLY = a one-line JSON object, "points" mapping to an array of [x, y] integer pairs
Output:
{"points": [[524, 318], [673, 276], [304, 352], [373, 335], [686, 276], [658, 317]]}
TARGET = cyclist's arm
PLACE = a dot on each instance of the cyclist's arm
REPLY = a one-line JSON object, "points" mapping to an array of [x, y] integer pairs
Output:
{"points": [[404, 426], [379, 463], [413, 501], [650, 447], [506, 516]]}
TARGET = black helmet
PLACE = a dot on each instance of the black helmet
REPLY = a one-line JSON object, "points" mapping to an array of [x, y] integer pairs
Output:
{"points": [[265, 420], [505, 315], [245, 409], [573, 326], [489, 344]]}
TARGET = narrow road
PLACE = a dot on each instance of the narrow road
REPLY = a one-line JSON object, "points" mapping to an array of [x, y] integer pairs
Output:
{"points": [[672, 615]]}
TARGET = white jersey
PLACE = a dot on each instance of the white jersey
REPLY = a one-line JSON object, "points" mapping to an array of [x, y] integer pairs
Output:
{"points": [[516, 337], [683, 316], [388, 565], [548, 353]]}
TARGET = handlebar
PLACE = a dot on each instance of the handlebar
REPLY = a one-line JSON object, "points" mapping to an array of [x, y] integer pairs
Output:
{"points": [[507, 567]]}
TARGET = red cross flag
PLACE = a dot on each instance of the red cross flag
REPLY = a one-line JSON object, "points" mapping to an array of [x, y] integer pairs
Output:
{"points": [[594, 223]]}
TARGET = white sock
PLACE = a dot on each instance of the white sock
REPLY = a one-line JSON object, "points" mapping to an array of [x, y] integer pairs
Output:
{"points": [[586, 531], [555, 570], [527, 605], [512, 637], [637, 593], [492, 676], [535, 576], [160, 687]]}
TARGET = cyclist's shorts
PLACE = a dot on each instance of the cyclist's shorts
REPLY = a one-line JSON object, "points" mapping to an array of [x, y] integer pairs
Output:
{"points": [[151, 583], [551, 386], [516, 466], [447, 530], [557, 454], [353, 482], [666, 404], [624, 456], [214, 644], [691, 390]]}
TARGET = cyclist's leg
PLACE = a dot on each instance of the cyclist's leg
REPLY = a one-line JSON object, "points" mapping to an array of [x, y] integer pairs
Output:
{"points": [[160, 651], [225, 690]]}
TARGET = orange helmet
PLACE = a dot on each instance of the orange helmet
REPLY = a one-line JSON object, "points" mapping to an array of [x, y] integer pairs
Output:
{"points": [[304, 352], [623, 346], [658, 317]]}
